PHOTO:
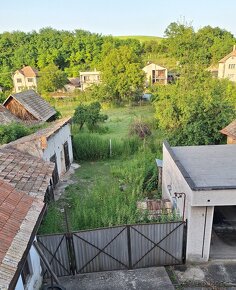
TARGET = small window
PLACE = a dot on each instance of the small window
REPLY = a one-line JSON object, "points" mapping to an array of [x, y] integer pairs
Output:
{"points": [[19, 80], [30, 80], [20, 88], [232, 66]]}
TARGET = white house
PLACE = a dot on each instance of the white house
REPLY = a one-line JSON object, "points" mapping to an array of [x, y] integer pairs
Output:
{"points": [[25, 78], [201, 183], [227, 66], [155, 74], [24, 183], [89, 78], [50, 144]]}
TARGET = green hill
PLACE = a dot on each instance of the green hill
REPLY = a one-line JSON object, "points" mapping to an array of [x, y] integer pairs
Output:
{"points": [[141, 38]]}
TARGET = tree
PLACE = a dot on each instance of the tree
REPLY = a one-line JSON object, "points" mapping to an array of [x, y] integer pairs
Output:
{"points": [[89, 115], [122, 76], [51, 79], [194, 116]]}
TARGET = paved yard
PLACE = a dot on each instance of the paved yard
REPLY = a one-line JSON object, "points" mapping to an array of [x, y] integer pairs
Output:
{"points": [[140, 279]]}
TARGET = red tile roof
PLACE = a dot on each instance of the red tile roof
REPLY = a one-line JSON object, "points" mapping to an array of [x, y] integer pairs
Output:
{"points": [[230, 130], [29, 71]]}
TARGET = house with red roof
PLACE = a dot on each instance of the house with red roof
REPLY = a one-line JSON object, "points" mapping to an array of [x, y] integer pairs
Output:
{"points": [[25, 78]]}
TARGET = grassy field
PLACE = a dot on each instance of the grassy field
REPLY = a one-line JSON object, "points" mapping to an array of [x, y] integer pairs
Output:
{"points": [[141, 38], [105, 192]]}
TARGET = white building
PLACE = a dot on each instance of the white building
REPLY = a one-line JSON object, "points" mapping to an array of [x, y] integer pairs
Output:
{"points": [[206, 175], [89, 78], [25, 78], [227, 66], [50, 144], [155, 74]]}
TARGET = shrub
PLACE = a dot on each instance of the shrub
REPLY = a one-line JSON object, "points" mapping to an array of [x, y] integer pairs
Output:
{"points": [[140, 129], [12, 132]]}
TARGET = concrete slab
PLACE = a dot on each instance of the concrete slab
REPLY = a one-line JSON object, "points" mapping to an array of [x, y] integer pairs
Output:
{"points": [[140, 279], [220, 274]]}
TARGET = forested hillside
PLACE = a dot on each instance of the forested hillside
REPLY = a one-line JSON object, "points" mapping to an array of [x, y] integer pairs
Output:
{"points": [[81, 50]]}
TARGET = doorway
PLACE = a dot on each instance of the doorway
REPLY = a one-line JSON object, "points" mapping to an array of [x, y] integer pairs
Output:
{"points": [[223, 237]]}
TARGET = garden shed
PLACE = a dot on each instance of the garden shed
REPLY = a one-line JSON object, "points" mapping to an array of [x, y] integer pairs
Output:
{"points": [[7, 117], [201, 183], [29, 106]]}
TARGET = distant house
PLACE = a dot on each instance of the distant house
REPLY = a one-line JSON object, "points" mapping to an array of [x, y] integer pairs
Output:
{"points": [[24, 185], [50, 144], [72, 85], [230, 132], [88, 78], [155, 74], [29, 106], [6, 117], [227, 66], [25, 78]]}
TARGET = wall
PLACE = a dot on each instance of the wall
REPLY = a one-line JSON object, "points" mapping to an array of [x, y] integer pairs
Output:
{"points": [[18, 110], [231, 140], [35, 280], [55, 145], [225, 71], [24, 82], [198, 211]]}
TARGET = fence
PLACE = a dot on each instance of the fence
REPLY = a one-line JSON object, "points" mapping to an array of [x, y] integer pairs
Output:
{"points": [[115, 248]]}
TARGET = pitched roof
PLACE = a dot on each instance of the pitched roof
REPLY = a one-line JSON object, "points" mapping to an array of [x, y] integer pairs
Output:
{"points": [[25, 172], [34, 104], [232, 53], [28, 71], [24, 180], [19, 214], [230, 130], [7, 117], [34, 143], [74, 81]]}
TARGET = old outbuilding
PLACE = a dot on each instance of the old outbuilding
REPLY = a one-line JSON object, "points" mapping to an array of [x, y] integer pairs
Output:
{"points": [[29, 106], [6, 117], [201, 183], [50, 144]]}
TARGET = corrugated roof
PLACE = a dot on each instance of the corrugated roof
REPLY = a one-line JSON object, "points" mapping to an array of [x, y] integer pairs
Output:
{"points": [[34, 104], [29, 71], [7, 117], [230, 130]]}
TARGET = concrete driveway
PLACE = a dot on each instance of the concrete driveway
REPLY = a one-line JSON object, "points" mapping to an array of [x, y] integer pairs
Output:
{"points": [[140, 279]]}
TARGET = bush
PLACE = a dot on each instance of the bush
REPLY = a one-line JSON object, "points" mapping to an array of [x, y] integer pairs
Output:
{"points": [[140, 129], [12, 132]]}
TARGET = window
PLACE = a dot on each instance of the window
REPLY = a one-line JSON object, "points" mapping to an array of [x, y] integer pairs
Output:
{"points": [[232, 66], [26, 271], [30, 80], [19, 80]]}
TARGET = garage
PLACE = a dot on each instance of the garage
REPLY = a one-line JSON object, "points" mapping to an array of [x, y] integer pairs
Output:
{"points": [[223, 237]]}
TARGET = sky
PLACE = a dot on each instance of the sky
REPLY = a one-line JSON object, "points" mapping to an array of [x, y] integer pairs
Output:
{"points": [[116, 17]]}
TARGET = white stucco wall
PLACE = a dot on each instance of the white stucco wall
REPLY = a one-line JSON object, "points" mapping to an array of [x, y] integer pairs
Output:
{"points": [[198, 210], [35, 280], [55, 145], [225, 71]]}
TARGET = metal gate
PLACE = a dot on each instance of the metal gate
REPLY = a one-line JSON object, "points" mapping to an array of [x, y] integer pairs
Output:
{"points": [[115, 248]]}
